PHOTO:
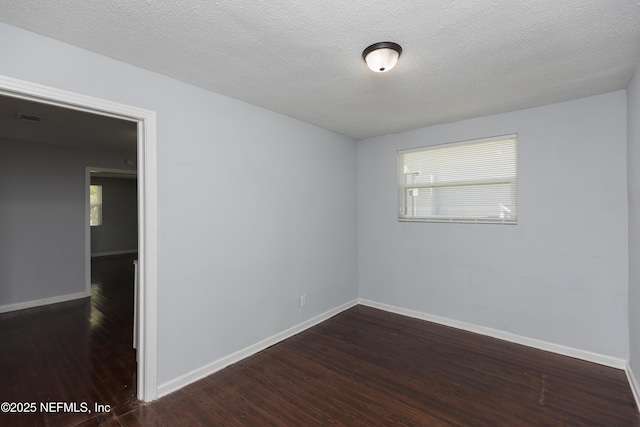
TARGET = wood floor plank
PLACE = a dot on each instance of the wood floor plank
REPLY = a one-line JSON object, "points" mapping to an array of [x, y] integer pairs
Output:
{"points": [[336, 393], [407, 394], [321, 396], [310, 395]]}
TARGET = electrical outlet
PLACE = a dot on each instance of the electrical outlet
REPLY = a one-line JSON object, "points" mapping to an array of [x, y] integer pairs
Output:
{"points": [[303, 300]]}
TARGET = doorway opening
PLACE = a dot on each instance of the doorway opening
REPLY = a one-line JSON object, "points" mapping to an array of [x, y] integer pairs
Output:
{"points": [[145, 125], [118, 233]]}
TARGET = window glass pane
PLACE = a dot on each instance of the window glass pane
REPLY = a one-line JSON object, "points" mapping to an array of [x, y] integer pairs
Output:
{"points": [[95, 205], [466, 182]]}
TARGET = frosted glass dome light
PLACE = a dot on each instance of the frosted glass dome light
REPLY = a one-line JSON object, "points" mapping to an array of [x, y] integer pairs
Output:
{"points": [[381, 57]]}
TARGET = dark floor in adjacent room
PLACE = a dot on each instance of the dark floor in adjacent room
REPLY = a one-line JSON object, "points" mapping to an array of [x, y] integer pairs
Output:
{"points": [[363, 367], [76, 351]]}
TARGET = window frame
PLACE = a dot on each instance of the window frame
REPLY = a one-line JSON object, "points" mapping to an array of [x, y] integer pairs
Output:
{"points": [[510, 215]]}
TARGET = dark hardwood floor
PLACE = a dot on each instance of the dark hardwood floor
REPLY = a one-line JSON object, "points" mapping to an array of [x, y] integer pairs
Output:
{"points": [[363, 367], [366, 367], [73, 352]]}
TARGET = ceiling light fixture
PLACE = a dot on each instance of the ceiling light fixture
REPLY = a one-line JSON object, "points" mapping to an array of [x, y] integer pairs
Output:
{"points": [[381, 57]]}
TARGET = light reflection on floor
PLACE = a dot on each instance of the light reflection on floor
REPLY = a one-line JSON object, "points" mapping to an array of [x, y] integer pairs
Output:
{"points": [[96, 317]]}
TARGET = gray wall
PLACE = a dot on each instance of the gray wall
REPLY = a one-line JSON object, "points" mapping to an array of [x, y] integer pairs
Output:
{"points": [[633, 135], [42, 219], [560, 275], [119, 229], [254, 208]]}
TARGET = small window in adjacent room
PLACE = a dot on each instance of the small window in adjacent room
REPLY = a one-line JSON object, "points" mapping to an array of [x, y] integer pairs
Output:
{"points": [[470, 182], [95, 205]]}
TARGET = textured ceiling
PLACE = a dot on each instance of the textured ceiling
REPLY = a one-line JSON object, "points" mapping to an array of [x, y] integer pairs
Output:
{"points": [[461, 59]]}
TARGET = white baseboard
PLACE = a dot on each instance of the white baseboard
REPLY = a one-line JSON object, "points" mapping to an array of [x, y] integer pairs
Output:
{"points": [[633, 383], [589, 356], [197, 374], [44, 301], [108, 253]]}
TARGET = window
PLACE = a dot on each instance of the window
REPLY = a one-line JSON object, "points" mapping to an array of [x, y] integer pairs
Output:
{"points": [[95, 205], [473, 182]]}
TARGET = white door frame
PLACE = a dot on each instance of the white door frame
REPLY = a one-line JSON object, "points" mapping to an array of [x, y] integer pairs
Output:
{"points": [[147, 210]]}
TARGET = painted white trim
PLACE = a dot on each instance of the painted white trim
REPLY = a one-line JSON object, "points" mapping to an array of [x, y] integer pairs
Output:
{"points": [[147, 200], [589, 356], [147, 258], [633, 383], [44, 301], [206, 370], [109, 253], [87, 231]]}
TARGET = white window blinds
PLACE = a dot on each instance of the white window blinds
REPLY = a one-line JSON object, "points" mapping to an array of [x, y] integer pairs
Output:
{"points": [[474, 181]]}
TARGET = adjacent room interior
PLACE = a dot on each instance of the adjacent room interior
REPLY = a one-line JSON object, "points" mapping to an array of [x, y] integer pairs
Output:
{"points": [[281, 220], [62, 164]]}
